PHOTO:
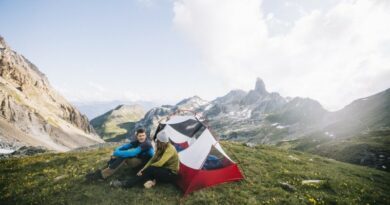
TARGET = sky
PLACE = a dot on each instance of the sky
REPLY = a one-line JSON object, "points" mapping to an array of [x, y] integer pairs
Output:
{"points": [[333, 51]]}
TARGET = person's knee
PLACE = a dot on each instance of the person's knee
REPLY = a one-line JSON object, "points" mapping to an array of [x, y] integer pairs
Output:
{"points": [[133, 162], [115, 162], [151, 170]]}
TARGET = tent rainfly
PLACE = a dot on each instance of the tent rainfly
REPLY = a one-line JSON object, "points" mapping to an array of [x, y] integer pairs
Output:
{"points": [[203, 163]]}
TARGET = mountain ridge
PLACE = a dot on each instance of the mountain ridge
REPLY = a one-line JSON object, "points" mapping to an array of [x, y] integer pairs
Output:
{"points": [[29, 104]]}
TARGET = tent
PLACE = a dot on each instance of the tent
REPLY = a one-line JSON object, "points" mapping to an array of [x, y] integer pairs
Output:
{"points": [[203, 162]]}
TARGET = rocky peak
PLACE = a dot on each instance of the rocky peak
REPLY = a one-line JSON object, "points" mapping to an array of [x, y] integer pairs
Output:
{"points": [[3, 45], [191, 103], [260, 86], [234, 96], [129, 107], [38, 111]]}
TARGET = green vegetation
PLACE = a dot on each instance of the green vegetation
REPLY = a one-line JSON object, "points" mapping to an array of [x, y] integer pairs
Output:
{"points": [[59, 179], [370, 148], [116, 124], [111, 131]]}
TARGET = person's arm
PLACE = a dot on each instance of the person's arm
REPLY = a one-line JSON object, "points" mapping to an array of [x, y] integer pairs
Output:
{"points": [[146, 166], [164, 158], [151, 152], [128, 153], [124, 147]]}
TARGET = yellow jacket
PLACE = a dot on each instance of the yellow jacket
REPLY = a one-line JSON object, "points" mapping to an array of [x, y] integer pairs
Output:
{"points": [[169, 160]]}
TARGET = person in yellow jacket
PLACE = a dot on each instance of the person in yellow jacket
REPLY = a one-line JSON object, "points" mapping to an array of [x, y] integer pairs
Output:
{"points": [[162, 167]]}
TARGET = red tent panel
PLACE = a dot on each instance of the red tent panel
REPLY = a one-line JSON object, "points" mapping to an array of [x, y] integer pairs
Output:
{"points": [[192, 179]]}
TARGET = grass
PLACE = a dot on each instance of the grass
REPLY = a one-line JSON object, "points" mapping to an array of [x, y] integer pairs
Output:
{"points": [[116, 124], [370, 149], [59, 179]]}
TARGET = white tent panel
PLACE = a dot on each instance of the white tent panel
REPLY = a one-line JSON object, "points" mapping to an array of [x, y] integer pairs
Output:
{"points": [[191, 141], [219, 148], [178, 119], [174, 135], [195, 155]]}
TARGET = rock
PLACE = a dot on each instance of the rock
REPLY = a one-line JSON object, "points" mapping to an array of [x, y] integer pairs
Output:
{"points": [[250, 144], [293, 158], [28, 104], [96, 146], [24, 151], [260, 86], [313, 183], [288, 187], [29, 150], [59, 178]]}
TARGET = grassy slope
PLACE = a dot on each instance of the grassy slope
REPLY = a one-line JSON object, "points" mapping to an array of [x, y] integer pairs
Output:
{"points": [[116, 124], [364, 149], [58, 179]]}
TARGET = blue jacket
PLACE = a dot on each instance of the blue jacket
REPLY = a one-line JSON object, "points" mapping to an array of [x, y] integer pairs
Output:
{"points": [[135, 149]]}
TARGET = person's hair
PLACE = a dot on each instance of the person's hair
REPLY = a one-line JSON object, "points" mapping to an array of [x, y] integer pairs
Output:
{"points": [[140, 130], [161, 147]]}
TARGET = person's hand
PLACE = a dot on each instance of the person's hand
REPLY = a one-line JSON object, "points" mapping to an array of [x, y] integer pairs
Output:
{"points": [[116, 153], [139, 173]]}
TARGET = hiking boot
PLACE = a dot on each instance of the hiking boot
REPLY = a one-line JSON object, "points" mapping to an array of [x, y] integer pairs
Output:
{"points": [[149, 184], [116, 183], [93, 176]]}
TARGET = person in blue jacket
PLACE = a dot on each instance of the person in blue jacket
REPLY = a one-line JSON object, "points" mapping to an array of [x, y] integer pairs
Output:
{"points": [[134, 154]]}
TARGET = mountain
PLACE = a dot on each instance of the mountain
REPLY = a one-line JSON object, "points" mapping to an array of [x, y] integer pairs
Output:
{"points": [[359, 133], [116, 124], [152, 117], [299, 110], [192, 103], [33, 113], [238, 104], [272, 176], [369, 113], [96, 108], [257, 115]]}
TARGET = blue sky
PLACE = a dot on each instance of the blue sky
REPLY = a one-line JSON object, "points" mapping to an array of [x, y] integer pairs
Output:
{"points": [[166, 50], [126, 49]]}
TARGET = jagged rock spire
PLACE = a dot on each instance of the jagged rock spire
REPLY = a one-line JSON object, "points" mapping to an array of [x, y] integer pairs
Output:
{"points": [[260, 86]]}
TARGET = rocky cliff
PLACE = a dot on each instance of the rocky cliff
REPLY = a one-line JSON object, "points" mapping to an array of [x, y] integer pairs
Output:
{"points": [[32, 112]]}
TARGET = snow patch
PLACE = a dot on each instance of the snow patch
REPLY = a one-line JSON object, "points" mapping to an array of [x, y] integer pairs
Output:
{"points": [[280, 127], [329, 134], [6, 151], [244, 114], [208, 107]]}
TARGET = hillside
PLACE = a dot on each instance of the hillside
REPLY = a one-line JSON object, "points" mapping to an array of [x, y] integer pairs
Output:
{"points": [[358, 133], [59, 179], [116, 124], [93, 109], [32, 112], [369, 149]]}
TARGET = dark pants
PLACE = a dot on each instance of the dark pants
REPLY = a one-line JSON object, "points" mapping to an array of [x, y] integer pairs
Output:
{"points": [[116, 163], [159, 174]]}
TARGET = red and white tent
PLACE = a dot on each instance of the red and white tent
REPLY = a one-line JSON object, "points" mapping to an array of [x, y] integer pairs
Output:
{"points": [[203, 163]]}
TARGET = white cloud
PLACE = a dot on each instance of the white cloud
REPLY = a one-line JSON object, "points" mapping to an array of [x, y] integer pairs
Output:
{"points": [[333, 55]]}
